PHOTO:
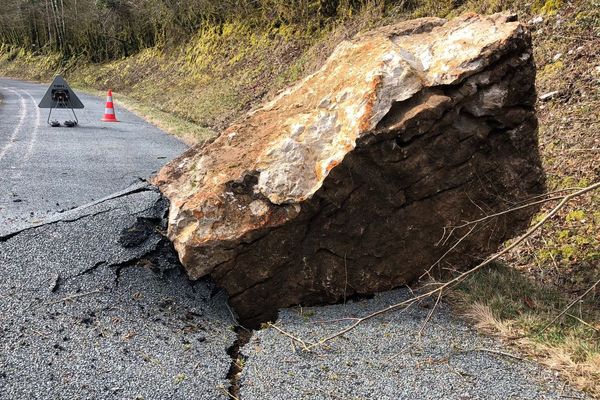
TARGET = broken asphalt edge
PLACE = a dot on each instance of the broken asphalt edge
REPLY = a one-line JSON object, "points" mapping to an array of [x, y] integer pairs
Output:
{"points": [[242, 334], [75, 214]]}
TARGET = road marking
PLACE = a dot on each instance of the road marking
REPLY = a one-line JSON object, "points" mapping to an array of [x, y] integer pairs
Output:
{"points": [[32, 138], [17, 129], [38, 116]]}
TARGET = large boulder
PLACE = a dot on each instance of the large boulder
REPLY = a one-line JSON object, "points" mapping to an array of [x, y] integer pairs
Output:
{"points": [[345, 183]]}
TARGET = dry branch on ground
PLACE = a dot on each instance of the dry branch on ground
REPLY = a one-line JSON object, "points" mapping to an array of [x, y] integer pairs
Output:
{"points": [[440, 287]]}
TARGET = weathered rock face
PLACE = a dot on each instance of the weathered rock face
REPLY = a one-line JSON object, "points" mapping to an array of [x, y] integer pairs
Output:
{"points": [[344, 183]]}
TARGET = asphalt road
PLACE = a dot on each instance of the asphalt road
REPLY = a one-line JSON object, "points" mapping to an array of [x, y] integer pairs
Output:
{"points": [[46, 170], [400, 356], [85, 315]]}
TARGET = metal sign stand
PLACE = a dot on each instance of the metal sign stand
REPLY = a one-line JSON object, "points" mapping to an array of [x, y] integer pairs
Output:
{"points": [[62, 100], [60, 95]]}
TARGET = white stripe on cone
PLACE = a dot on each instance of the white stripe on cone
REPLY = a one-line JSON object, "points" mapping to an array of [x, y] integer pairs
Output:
{"points": [[109, 112]]}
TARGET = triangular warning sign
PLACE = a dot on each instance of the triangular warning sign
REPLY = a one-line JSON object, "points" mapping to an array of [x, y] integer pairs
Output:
{"points": [[60, 95]]}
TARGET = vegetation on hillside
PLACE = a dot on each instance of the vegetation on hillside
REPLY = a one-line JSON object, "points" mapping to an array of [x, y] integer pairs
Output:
{"points": [[102, 30], [207, 62]]}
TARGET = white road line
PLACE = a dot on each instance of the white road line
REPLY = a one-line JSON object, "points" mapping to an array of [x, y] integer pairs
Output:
{"points": [[32, 139], [17, 129]]}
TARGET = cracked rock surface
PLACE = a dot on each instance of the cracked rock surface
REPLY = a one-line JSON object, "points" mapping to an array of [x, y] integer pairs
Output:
{"points": [[344, 183], [95, 307]]}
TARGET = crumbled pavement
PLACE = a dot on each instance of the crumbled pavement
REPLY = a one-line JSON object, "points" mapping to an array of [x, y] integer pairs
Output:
{"points": [[386, 358], [82, 317]]}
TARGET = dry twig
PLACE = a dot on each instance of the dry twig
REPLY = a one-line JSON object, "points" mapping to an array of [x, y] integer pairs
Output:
{"points": [[437, 302], [303, 343], [428, 271], [75, 296], [490, 216], [563, 312], [459, 278], [227, 393], [498, 352], [584, 322]]}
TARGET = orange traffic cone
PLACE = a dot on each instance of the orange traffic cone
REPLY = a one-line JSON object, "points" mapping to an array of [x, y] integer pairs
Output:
{"points": [[109, 110]]}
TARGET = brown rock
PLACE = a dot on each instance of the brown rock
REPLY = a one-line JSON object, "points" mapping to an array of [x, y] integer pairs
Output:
{"points": [[344, 183]]}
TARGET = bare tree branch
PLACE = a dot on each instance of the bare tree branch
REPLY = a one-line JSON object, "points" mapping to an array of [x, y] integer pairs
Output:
{"points": [[454, 281], [563, 312]]}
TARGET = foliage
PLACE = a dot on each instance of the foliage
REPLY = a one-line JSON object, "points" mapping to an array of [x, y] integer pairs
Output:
{"points": [[101, 30]]}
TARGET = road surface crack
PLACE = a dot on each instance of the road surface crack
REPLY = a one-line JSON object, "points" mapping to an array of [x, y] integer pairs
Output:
{"points": [[89, 270], [8, 236], [66, 219], [238, 361]]}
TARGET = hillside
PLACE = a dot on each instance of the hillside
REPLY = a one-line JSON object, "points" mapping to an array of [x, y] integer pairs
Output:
{"points": [[212, 64]]}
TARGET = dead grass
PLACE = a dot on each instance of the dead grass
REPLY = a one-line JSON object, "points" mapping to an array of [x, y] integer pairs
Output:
{"points": [[188, 131], [505, 303]]}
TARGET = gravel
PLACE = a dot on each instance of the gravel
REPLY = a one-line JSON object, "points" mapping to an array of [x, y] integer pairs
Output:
{"points": [[132, 327], [386, 358]]}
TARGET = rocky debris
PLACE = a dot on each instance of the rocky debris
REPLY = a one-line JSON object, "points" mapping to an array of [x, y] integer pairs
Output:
{"points": [[536, 20], [136, 234], [345, 183], [144, 227]]}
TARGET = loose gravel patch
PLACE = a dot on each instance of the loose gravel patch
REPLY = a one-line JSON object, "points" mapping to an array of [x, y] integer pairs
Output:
{"points": [[386, 358], [82, 317]]}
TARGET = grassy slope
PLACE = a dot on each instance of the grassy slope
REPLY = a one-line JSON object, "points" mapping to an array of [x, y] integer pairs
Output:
{"points": [[199, 88]]}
